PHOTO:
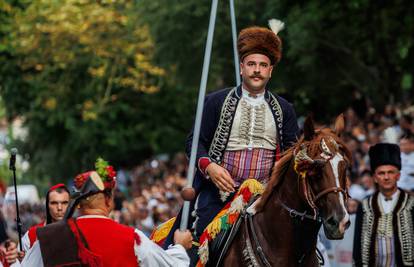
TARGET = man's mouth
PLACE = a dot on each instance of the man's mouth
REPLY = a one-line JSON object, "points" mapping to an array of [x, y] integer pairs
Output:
{"points": [[257, 78]]}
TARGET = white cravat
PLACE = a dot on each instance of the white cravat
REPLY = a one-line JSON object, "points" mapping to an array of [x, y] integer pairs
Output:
{"points": [[388, 206], [253, 100]]}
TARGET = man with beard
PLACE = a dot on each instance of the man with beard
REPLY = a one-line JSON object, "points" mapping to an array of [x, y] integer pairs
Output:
{"points": [[57, 200], [244, 129]]}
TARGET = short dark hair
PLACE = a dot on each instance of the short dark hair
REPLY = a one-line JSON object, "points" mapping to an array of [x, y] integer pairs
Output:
{"points": [[61, 190]]}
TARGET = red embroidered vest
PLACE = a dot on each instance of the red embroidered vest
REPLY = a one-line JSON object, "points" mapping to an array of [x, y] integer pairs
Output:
{"points": [[112, 241], [97, 242]]}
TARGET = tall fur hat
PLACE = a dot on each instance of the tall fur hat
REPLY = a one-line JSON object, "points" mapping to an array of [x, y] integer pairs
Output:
{"points": [[384, 154], [260, 40]]}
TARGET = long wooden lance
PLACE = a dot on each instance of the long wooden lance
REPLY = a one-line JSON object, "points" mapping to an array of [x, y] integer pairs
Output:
{"points": [[234, 37], [200, 106]]}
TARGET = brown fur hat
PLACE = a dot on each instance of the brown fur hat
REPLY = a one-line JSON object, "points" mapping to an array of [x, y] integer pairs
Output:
{"points": [[259, 40]]}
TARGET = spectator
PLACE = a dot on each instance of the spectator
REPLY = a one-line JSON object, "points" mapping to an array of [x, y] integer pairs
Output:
{"points": [[406, 181]]}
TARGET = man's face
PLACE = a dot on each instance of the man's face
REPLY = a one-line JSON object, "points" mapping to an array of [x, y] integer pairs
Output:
{"points": [[58, 203], [406, 145], [386, 176], [256, 72]]}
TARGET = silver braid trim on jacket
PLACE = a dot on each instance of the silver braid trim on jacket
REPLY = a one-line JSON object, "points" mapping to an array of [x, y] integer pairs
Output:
{"points": [[277, 110], [228, 110], [406, 231], [221, 136], [367, 227]]}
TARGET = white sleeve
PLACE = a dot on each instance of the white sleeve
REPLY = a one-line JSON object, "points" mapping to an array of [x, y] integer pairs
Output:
{"points": [[26, 242], [16, 264], [33, 257], [151, 255]]}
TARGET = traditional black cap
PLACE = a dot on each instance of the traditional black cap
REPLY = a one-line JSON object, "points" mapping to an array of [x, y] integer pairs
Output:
{"points": [[91, 185], [384, 154]]}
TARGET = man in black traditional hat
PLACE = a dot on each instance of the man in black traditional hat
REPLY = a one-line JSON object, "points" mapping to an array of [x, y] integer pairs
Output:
{"points": [[384, 234]]}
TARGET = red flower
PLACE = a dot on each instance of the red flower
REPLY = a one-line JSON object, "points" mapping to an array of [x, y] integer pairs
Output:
{"points": [[111, 172], [80, 179]]}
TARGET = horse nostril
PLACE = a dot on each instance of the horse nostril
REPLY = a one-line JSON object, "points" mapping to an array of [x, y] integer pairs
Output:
{"points": [[331, 221], [348, 223]]}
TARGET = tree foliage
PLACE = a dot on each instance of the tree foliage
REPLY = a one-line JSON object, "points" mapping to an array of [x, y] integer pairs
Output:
{"points": [[119, 79], [330, 48], [85, 73]]}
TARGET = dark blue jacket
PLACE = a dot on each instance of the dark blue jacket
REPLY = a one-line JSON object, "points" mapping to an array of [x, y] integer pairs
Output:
{"points": [[282, 110], [218, 114]]}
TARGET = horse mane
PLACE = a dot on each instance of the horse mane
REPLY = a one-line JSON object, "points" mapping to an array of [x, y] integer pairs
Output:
{"points": [[280, 168]]}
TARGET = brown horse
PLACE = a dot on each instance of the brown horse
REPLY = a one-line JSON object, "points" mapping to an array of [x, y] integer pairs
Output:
{"points": [[307, 188]]}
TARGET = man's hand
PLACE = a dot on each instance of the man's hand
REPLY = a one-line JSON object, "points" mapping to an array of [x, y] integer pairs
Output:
{"points": [[183, 238], [20, 255], [11, 252], [220, 177]]}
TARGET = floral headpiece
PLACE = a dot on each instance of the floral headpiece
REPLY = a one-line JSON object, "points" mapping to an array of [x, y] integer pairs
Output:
{"points": [[105, 171]]}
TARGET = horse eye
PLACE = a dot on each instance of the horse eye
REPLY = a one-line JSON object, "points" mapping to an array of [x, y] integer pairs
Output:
{"points": [[318, 163]]}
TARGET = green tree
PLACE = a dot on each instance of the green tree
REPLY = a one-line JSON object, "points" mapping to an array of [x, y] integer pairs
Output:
{"points": [[330, 48], [83, 75]]}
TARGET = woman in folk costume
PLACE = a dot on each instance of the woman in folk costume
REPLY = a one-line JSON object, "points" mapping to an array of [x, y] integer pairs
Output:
{"points": [[57, 200], [384, 228], [93, 239], [243, 130]]}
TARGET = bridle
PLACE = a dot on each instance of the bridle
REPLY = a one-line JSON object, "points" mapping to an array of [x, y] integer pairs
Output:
{"points": [[301, 159], [302, 165]]}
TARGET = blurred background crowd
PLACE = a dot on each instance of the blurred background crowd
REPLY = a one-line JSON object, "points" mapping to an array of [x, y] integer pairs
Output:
{"points": [[149, 194]]}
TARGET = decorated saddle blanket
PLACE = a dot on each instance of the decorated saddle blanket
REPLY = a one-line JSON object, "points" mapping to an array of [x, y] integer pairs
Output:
{"points": [[226, 219], [217, 230]]}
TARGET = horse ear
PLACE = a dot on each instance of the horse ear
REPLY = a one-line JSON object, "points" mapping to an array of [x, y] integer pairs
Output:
{"points": [[339, 124], [308, 129]]}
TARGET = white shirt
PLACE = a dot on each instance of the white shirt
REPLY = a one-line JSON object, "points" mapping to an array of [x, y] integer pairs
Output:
{"points": [[26, 242], [16, 264], [388, 206], [148, 253], [406, 181]]}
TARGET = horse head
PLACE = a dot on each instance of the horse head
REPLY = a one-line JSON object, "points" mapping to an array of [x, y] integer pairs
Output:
{"points": [[321, 160]]}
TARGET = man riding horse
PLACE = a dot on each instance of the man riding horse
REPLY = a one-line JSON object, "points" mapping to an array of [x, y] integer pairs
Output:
{"points": [[244, 129]]}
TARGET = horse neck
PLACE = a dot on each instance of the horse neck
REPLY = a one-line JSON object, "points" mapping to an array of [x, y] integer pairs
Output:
{"points": [[282, 226], [288, 192]]}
